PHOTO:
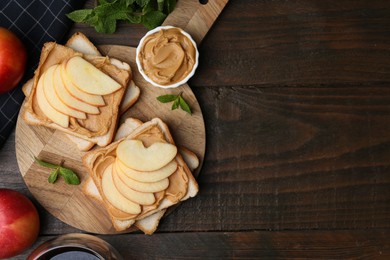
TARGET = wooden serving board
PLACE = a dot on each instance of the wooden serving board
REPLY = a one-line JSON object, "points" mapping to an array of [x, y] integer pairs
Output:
{"points": [[67, 202]]}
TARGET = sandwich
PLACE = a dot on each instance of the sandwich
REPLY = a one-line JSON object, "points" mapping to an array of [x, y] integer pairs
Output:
{"points": [[61, 96], [80, 43], [140, 175]]}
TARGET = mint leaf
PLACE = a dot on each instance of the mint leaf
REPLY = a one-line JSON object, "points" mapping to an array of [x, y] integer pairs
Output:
{"points": [[69, 176], [160, 5], [166, 98], [105, 15], [46, 164], [106, 1], [178, 101], [129, 2], [131, 18], [153, 19], [169, 6], [184, 105], [53, 176], [142, 3], [108, 14], [175, 104], [79, 16]]}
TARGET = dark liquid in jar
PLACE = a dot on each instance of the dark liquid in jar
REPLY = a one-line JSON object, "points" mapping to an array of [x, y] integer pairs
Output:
{"points": [[66, 253]]}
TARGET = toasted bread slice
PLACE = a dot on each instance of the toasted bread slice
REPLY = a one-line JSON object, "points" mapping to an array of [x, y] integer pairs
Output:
{"points": [[149, 218], [149, 224], [131, 96], [79, 42], [96, 128]]}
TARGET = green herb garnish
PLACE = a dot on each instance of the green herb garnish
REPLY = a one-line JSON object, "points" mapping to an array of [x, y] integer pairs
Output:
{"points": [[104, 17], [69, 176], [178, 101]]}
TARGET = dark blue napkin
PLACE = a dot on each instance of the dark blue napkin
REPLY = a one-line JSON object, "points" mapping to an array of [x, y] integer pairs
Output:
{"points": [[35, 22]]}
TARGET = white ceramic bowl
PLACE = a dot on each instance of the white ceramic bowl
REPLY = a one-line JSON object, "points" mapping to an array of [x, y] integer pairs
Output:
{"points": [[141, 70]]}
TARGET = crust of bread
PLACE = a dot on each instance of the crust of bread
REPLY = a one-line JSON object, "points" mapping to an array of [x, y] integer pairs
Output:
{"points": [[127, 127], [27, 87], [79, 42], [149, 224], [131, 96], [89, 188], [84, 145], [189, 157], [53, 53], [148, 221]]}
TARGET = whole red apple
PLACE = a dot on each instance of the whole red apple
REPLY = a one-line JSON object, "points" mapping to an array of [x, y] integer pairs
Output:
{"points": [[19, 223], [13, 57]]}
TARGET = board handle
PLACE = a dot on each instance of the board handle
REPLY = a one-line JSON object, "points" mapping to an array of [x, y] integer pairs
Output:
{"points": [[194, 17]]}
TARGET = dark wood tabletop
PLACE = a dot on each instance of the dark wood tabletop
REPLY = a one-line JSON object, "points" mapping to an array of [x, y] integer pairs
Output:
{"points": [[296, 101]]}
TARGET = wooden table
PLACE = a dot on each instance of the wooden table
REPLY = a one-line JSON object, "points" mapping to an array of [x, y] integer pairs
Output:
{"points": [[296, 101]]}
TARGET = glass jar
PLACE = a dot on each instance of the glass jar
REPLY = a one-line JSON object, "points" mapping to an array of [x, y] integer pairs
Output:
{"points": [[75, 246]]}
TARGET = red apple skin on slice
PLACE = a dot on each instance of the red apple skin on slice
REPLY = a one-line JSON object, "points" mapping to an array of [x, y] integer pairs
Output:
{"points": [[142, 198], [115, 198], [69, 100], [95, 100], [55, 116], [53, 99], [153, 176], [88, 78]]}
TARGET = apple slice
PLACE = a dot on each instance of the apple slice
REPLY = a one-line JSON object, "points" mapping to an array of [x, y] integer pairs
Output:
{"points": [[143, 198], [95, 100], [144, 186], [88, 78], [52, 97], [68, 99], [49, 111], [153, 176], [135, 155], [115, 198]]}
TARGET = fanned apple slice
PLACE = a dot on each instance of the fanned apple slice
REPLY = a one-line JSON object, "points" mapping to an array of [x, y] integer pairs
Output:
{"points": [[68, 99], [95, 100], [55, 116], [153, 176], [136, 156], [53, 99], [114, 196], [144, 186], [143, 198], [88, 78]]}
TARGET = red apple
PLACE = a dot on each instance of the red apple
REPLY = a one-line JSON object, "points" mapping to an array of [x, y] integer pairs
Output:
{"points": [[19, 223], [13, 57]]}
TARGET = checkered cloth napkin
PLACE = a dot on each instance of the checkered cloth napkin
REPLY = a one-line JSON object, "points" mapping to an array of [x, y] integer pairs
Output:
{"points": [[35, 22]]}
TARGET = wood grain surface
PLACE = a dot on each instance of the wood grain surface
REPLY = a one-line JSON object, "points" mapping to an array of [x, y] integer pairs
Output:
{"points": [[340, 244], [295, 97], [68, 203]]}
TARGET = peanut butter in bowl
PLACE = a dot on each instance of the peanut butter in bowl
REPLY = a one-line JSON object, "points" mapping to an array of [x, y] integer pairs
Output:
{"points": [[167, 57]]}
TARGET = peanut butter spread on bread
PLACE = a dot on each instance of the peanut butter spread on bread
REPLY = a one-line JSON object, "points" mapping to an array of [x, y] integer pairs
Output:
{"points": [[94, 125], [104, 157]]}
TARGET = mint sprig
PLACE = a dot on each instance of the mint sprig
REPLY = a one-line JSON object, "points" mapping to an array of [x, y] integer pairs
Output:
{"points": [[106, 14], [69, 176], [178, 101]]}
